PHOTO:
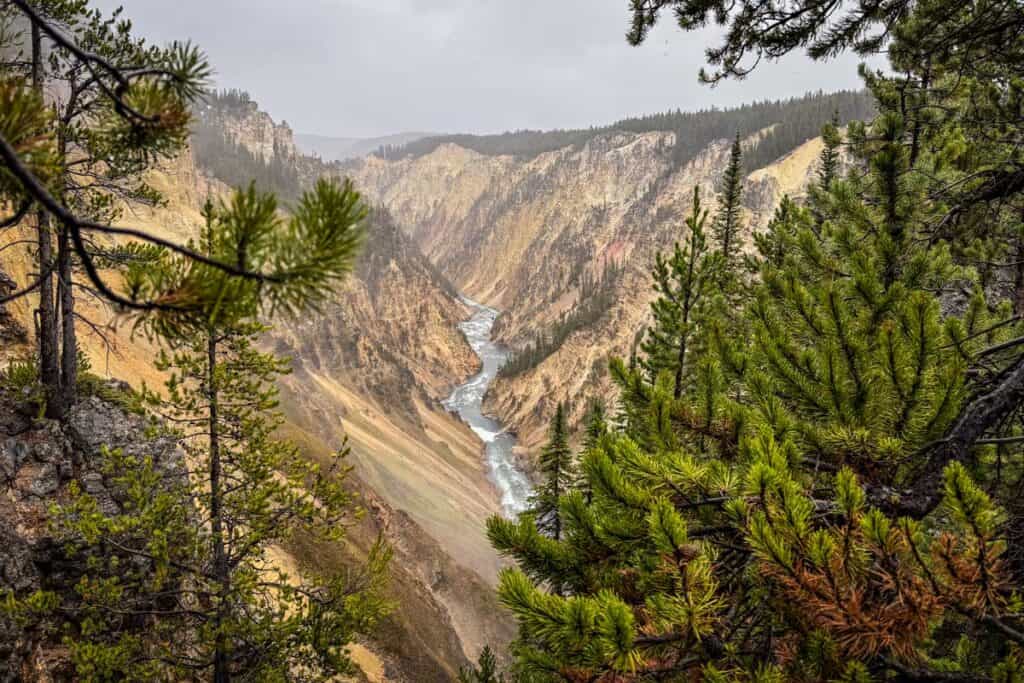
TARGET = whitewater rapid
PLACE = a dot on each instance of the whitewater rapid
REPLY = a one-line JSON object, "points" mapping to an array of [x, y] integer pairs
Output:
{"points": [[467, 400]]}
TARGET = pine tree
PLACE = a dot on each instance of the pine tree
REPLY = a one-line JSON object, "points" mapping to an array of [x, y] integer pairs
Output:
{"points": [[779, 240], [828, 160], [99, 156], [596, 424], [205, 541], [133, 108], [832, 500], [558, 473], [485, 671], [728, 224], [682, 282]]}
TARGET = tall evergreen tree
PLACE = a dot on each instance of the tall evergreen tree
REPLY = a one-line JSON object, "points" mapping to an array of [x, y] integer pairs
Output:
{"points": [[204, 543], [828, 167], [99, 159], [728, 224], [682, 282], [828, 160], [558, 473], [596, 424], [485, 671]]}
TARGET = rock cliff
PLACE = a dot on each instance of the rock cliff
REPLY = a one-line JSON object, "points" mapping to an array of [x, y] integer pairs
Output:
{"points": [[39, 461], [254, 129], [527, 234]]}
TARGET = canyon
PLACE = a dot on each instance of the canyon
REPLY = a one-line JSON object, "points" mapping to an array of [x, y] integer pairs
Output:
{"points": [[530, 235], [403, 365]]}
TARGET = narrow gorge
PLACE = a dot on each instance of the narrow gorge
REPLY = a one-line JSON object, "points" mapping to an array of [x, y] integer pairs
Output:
{"points": [[665, 383], [559, 231], [468, 399]]}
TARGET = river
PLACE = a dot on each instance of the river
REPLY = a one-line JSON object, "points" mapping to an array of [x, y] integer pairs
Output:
{"points": [[467, 400]]}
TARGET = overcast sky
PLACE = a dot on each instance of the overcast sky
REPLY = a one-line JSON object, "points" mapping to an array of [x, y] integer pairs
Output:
{"points": [[364, 68]]}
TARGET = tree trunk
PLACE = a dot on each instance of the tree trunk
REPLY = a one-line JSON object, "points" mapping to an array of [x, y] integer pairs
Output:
{"points": [[684, 335], [46, 329], [69, 351], [221, 671], [1018, 278]]}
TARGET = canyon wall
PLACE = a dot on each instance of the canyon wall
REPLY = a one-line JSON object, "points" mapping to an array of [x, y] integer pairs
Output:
{"points": [[526, 235], [369, 370]]}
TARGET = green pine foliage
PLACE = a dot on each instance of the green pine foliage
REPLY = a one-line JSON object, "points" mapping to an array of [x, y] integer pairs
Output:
{"points": [[178, 578], [829, 159], [558, 474], [123, 108], [596, 424], [191, 583], [303, 257], [683, 282], [728, 224], [832, 496], [485, 671]]}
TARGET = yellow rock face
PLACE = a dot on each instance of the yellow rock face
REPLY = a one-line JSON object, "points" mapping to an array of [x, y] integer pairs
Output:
{"points": [[519, 235]]}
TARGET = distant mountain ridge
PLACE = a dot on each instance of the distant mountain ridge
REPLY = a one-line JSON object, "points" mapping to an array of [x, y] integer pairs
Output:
{"points": [[782, 124], [331, 148]]}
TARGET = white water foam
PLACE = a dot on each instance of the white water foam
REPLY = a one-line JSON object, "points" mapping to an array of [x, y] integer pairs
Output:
{"points": [[467, 401]]}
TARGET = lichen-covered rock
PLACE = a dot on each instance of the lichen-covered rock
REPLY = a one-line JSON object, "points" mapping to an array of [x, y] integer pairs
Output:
{"points": [[38, 461]]}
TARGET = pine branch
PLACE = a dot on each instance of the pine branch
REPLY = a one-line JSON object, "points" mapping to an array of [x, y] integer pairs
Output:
{"points": [[979, 415], [92, 61], [18, 215], [917, 675]]}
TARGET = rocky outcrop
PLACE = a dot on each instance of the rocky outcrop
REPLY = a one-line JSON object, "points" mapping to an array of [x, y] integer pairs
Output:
{"points": [[39, 460], [257, 131]]}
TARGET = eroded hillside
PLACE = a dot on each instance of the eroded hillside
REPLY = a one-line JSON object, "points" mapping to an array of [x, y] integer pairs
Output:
{"points": [[530, 235], [371, 366]]}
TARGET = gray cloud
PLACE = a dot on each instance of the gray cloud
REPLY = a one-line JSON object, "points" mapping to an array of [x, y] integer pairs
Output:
{"points": [[372, 67]]}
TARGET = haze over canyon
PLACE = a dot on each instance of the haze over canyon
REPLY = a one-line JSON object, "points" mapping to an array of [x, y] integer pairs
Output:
{"points": [[307, 376]]}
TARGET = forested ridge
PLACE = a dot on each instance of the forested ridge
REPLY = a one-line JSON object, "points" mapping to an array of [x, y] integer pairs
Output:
{"points": [[791, 121]]}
